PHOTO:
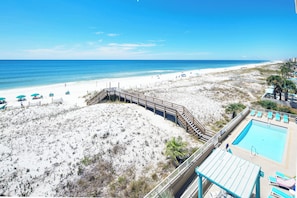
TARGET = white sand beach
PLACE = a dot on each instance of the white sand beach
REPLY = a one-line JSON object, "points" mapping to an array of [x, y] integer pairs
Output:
{"points": [[80, 89], [43, 144]]}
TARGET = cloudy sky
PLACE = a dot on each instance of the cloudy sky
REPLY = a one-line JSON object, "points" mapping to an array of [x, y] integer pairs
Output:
{"points": [[148, 29]]}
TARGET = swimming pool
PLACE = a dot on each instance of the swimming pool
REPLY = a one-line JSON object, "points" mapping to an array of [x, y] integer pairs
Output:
{"points": [[263, 139]]}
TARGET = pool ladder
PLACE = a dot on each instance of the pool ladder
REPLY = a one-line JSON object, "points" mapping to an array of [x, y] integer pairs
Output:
{"points": [[253, 151]]}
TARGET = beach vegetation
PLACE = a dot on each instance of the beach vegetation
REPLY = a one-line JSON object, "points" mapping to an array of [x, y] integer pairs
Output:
{"points": [[276, 82], [286, 69], [138, 188], [281, 83], [155, 176], [267, 104], [127, 186], [92, 178], [262, 70], [165, 168], [176, 150], [86, 161], [234, 108], [286, 109], [193, 150]]}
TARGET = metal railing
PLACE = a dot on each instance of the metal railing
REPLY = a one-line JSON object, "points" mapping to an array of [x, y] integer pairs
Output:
{"points": [[212, 142], [163, 186]]}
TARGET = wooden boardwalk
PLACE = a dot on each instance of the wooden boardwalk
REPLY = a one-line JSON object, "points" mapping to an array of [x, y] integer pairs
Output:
{"points": [[174, 112]]}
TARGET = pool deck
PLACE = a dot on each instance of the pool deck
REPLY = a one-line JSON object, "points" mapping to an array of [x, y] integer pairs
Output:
{"points": [[268, 166]]}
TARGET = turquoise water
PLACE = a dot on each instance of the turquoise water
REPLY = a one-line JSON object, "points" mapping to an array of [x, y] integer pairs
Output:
{"points": [[265, 139], [27, 73]]}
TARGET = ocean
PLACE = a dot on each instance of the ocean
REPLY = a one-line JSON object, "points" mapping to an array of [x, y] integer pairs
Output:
{"points": [[27, 73]]}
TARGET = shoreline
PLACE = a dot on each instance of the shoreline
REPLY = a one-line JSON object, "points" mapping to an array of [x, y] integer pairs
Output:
{"points": [[80, 89]]}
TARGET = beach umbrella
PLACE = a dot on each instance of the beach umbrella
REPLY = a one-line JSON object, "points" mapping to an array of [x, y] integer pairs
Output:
{"points": [[2, 100], [21, 96], [35, 94], [51, 95]]}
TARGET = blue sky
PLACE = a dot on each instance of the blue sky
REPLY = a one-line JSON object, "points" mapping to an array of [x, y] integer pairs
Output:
{"points": [[148, 29]]}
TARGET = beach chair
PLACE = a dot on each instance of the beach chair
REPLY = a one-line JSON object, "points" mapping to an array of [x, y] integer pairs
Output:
{"points": [[3, 107], [286, 118], [282, 175], [279, 193], [259, 114], [253, 113], [283, 183], [270, 114], [277, 117]]}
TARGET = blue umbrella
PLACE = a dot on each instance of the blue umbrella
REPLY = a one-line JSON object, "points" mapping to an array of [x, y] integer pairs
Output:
{"points": [[35, 94], [51, 95], [21, 96], [2, 100]]}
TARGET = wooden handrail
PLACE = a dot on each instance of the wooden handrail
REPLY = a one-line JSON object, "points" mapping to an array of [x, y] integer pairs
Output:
{"points": [[184, 115]]}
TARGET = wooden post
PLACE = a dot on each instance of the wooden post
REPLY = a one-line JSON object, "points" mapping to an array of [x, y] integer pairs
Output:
{"points": [[175, 117]]}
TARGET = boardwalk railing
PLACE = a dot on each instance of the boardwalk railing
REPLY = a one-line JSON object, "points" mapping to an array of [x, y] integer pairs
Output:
{"points": [[177, 113], [210, 144], [97, 97]]}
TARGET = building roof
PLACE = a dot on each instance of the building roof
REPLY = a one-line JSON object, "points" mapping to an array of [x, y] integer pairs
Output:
{"points": [[235, 175]]}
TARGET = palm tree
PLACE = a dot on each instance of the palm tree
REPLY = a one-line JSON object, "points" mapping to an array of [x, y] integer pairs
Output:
{"points": [[234, 108], [286, 69], [277, 83], [176, 149], [288, 85]]}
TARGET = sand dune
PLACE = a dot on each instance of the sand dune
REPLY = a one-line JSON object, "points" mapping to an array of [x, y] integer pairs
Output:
{"points": [[42, 147]]}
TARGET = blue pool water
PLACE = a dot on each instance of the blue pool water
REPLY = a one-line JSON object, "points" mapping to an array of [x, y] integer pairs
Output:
{"points": [[265, 139]]}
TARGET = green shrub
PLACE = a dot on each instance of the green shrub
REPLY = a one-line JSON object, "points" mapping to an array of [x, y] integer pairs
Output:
{"points": [[139, 188], [267, 104], [235, 107], [154, 176], [285, 109], [86, 161]]}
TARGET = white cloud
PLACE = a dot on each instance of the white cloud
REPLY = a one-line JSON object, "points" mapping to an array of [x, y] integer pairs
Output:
{"points": [[91, 50], [98, 33], [91, 43], [131, 45], [112, 34]]}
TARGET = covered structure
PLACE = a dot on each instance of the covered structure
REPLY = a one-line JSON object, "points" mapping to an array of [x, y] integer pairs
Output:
{"points": [[236, 176]]}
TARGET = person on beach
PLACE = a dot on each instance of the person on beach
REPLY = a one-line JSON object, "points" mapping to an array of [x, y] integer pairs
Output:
{"points": [[228, 149]]}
